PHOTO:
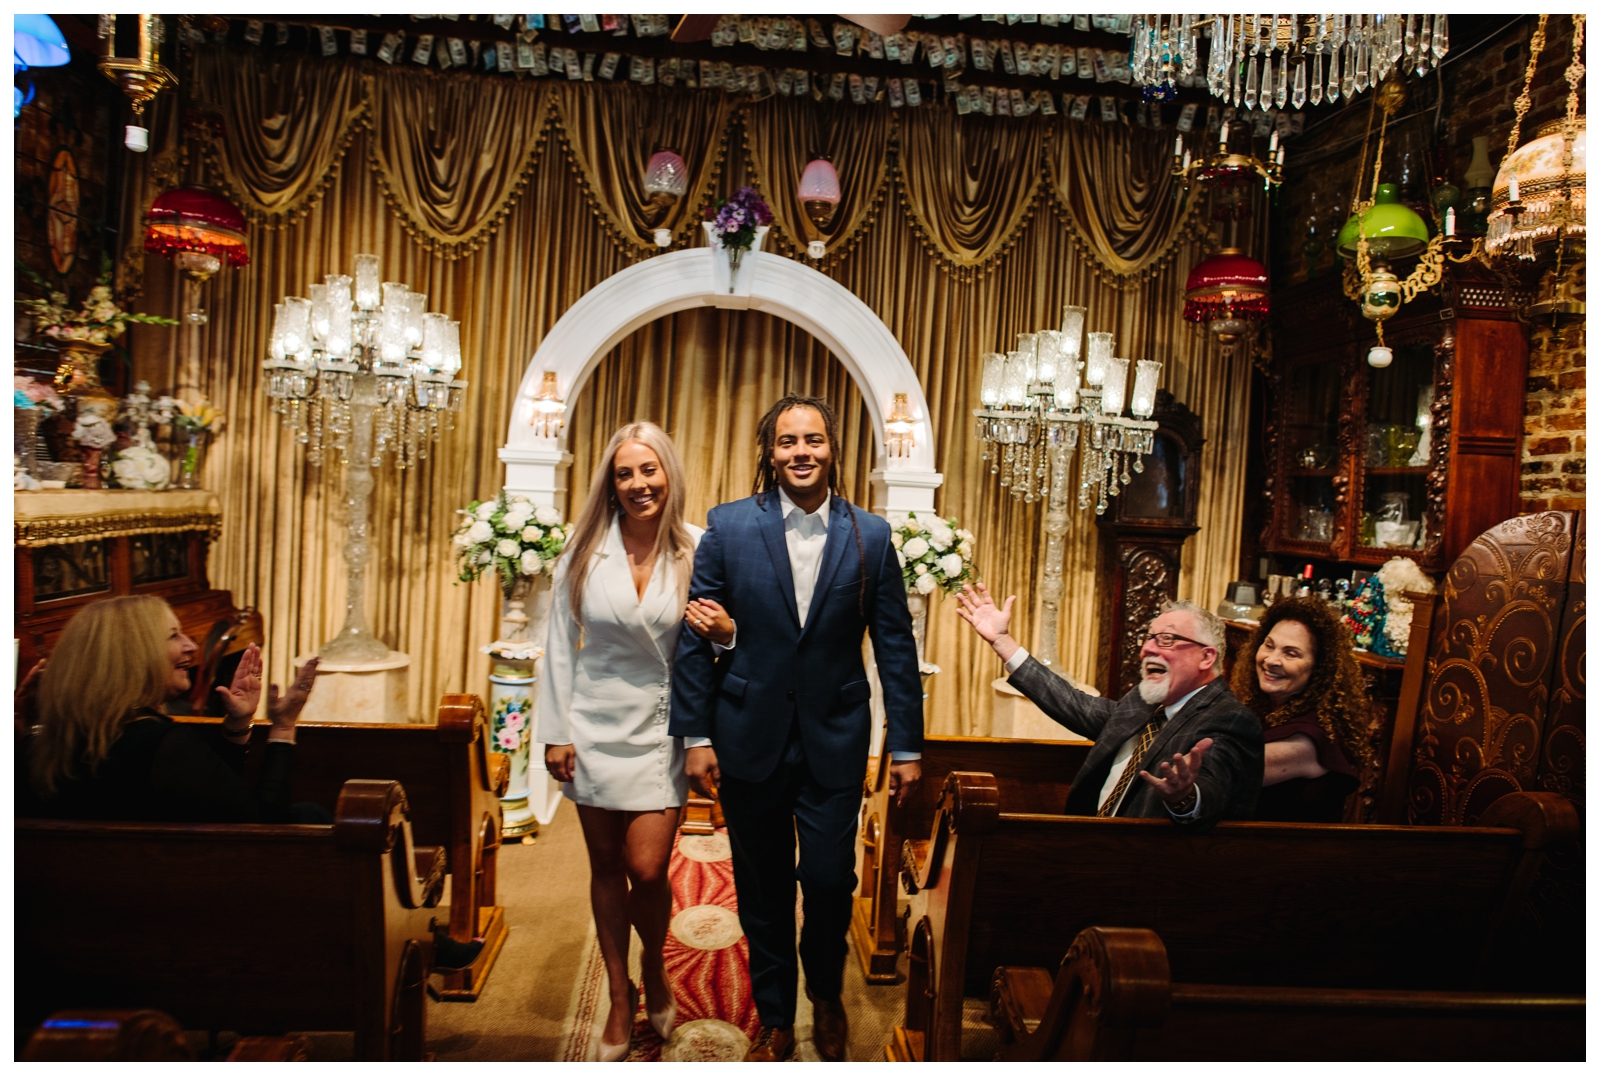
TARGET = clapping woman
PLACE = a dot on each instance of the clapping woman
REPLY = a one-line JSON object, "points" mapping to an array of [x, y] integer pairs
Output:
{"points": [[619, 601]]}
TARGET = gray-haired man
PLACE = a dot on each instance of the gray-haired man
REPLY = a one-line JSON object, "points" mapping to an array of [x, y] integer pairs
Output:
{"points": [[1179, 746]]}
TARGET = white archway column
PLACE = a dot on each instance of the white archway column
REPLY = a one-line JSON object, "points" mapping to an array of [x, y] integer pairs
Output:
{"points": [[537, 466]]}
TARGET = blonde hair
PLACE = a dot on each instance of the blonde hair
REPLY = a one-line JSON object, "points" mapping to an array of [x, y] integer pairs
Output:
{"points": [[672, 537], [110, 662]]}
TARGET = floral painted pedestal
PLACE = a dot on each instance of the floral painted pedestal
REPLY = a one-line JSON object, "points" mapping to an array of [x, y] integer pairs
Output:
{"points": [[511, 696]]}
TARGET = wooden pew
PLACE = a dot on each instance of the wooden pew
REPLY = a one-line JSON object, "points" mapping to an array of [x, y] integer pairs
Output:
{"points": [[1033, 775], [1250, 903], [250, 928], [1113, 999], [453, 782]]}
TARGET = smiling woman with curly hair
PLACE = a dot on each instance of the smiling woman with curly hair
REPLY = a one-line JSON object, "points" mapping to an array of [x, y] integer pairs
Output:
{"points": [[1299, 674]]}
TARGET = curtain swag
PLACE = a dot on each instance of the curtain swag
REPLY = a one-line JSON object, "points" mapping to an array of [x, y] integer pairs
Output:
{"points": [[782, 135], [454, 153], [288, 120], [610, 132]]}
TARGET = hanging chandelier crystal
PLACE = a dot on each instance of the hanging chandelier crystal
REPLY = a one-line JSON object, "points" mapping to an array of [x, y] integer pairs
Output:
{"points": [[1035, 415], [381, 361], [1272, 61]]}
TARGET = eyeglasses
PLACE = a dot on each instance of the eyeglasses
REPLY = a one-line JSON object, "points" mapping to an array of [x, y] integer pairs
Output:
{"points": [[1165, 640]]}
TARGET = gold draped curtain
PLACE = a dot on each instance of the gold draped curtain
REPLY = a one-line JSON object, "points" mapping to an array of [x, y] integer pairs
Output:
{"points": [[705, 375], [782, 135], [612, 169]]}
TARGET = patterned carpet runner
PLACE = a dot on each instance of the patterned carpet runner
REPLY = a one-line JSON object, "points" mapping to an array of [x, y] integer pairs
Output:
{"points": [[707, 962]]}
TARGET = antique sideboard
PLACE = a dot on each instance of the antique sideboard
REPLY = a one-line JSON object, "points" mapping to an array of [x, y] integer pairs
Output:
{"points": [[75, 546]]}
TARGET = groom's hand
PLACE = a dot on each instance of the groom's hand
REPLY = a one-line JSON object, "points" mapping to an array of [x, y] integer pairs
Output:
{"points": [[701, 766], [904, 777]]}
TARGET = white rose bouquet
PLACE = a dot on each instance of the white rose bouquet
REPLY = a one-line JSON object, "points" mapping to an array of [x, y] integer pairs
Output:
{"points": [[141, 468], [508, 536], [935, 554]]}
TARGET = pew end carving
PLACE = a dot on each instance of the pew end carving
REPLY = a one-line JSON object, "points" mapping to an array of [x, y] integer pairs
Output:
{"points": [[218, 924], [1113, 999]]}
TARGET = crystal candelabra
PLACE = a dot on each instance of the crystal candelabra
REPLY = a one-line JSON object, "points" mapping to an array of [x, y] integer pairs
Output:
{"points": [[1034, 417], [1272, 61], [367, 378]]}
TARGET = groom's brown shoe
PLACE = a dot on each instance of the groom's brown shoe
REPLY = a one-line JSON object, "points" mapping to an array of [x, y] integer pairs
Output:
{"points": [[773, 1044], [830, 1028]]}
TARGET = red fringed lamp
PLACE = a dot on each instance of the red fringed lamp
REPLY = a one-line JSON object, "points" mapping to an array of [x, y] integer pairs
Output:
{"points": [[198, 229], [1227, 293]]}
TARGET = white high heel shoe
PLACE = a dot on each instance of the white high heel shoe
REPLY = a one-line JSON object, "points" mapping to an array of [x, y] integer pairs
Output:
{"points": [[618, 1051], [665, 1020]]}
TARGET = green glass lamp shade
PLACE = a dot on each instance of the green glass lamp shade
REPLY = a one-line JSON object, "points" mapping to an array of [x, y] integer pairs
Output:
{"points": [[1393, 230]]}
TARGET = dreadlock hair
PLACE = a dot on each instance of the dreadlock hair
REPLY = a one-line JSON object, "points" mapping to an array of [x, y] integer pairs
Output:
{"points": [[766, 479], [1336, 694]]}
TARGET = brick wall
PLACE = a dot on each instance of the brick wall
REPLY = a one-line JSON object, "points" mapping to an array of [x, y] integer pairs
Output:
{"points": [[1553, 448]]}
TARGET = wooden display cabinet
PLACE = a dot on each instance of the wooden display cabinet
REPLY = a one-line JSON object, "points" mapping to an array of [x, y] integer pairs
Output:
{"points": [[1327, 487], [76, 546]]}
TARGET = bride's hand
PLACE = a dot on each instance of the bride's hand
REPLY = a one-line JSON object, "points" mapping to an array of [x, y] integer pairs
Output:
{"points": [[711, 620], [560, 759]]}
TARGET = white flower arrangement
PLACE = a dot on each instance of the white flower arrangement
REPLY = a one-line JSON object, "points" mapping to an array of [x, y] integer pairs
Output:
{"points": [[138, 467], [509, 536], [93, 431], [934, 554], [1399, 575]]}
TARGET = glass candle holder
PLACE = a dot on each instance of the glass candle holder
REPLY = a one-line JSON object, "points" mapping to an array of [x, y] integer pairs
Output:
{"points": [[1014, 390], [1115, 393], [368, 292], [1147, 372], [1047, 345], [994, 369], [1072, 333], [1067, 386], [1094, 371]]}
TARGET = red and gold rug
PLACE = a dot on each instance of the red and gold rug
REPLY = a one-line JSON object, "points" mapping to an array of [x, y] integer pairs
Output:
{"points": [[707, 961]]}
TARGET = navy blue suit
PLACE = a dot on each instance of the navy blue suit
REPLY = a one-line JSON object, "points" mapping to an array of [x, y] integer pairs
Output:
{"points": [[788, 713]]}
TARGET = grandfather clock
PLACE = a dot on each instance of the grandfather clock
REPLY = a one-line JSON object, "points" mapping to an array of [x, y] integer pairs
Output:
{"points": [[1141, 542]]}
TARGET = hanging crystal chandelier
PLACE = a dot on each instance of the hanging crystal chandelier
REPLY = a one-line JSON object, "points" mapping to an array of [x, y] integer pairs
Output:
{"points": [[382, 362], [1035, 415], [1250, 57]]}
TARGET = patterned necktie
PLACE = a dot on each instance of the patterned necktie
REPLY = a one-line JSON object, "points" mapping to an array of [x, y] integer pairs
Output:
{"points": [[1147, 736]]}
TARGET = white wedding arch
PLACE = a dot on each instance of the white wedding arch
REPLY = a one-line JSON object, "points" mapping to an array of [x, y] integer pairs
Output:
{"points": [[536, 466]]}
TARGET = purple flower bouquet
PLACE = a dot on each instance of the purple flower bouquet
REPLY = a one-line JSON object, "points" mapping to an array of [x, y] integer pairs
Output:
{"points": [[735, 220]]}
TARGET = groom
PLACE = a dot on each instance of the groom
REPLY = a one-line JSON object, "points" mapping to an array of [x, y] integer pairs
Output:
{"points": [[781, 724]]}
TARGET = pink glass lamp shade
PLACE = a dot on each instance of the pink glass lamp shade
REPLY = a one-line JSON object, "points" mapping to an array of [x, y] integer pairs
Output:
{"points": [[666, 179], [819, 191], [1226, 292], [196, 221]]}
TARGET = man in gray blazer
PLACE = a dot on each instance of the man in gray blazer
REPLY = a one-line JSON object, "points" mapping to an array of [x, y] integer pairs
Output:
{"points": [[1195, 749]]}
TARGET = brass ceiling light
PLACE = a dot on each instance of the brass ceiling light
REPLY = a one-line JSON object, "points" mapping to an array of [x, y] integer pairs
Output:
{"points": [[130, 56]]}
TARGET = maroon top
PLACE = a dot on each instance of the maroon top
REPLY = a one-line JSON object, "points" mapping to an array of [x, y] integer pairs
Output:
{"points": [[1309, 799]]}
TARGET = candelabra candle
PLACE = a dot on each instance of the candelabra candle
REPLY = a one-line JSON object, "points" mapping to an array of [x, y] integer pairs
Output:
{"points": [[416, 310], [1067, 387], [1071, 333], [296, 333], [1146, 374], [1027, 347], [994, 368], [1116, 387], [368, 293], [1047, 345], [320, 322], [1015, 384], [1094, 372]]}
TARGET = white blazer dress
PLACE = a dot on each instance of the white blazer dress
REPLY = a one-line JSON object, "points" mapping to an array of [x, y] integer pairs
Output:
{"points": [[611, 697]]}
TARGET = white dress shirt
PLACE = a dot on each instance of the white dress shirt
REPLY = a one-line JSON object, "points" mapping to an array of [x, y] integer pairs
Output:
{"points": [[806, 535], [1125, 752]]}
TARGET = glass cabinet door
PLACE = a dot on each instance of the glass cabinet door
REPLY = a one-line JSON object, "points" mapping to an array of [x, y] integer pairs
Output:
{"points": [[1310, 442], [1397, 446]]}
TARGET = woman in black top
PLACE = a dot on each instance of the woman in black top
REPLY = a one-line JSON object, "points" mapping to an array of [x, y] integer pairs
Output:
{"points": [[105, 749], [1299, 674]]}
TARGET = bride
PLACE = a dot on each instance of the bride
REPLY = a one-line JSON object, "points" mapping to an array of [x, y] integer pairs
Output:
{"points": [[619, 599]]}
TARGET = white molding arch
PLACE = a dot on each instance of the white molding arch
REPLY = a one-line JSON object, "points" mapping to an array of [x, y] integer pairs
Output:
{"points": [[682, 280]]}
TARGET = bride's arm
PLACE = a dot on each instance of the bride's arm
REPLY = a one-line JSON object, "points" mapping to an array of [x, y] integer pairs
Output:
{"points": [[552, 725]]}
